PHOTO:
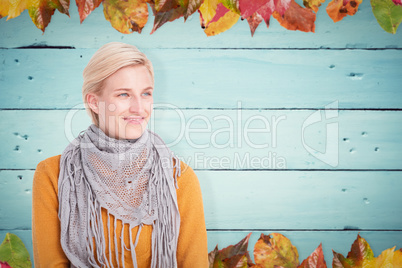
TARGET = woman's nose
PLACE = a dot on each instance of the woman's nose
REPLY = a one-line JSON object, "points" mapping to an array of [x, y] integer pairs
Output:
{"points": [[136, 105]]}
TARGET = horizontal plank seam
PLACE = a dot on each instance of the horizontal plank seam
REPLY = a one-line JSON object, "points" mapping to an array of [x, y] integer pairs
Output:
{"points": [[255, 170], [216, 109], [38, 46]]}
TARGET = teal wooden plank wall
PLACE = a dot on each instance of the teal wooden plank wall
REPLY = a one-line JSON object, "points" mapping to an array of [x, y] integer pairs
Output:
{"points": [[246, 113]]}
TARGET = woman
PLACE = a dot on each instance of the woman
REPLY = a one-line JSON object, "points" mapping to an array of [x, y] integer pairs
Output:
{"points": [[117, 196]]}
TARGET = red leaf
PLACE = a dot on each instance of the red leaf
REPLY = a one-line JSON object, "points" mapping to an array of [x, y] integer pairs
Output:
{"points": [[297, 18], [397, 2], [4, 265], [338, 9], [85, 7], [315, 260]]}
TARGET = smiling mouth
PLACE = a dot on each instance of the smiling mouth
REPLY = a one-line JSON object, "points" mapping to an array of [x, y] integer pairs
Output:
{"points": [[134, 119]]}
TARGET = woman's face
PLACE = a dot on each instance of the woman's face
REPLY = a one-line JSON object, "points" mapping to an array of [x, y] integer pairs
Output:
{"points": [[125, 104]]}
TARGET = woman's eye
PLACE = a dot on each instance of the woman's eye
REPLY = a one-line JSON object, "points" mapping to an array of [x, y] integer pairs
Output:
{"points": [[146, 94], [123, 95]]}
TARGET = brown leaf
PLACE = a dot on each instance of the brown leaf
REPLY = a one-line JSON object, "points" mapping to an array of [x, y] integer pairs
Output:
{"points": [[231, 256], [211, 256], [162, 17], [85, 7], [338, 9], [315, 260], [253, 21], [297, 18], [126, 16], [275, 251]]}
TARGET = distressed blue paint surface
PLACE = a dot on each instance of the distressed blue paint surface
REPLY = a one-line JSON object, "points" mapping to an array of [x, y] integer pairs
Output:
{"points": [[360, 31], [218, 78], [225, 81]]}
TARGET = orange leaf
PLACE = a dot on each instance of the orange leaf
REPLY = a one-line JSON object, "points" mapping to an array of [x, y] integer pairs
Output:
{"points": [[313, 4], [297, 18], [315, 260], [338, 9], [126, 16], [275, 251], [220, 24], [85, 7], [208, 11]]}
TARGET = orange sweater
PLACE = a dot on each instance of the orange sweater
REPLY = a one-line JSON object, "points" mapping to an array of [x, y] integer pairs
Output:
{"points": [[192, 245]]}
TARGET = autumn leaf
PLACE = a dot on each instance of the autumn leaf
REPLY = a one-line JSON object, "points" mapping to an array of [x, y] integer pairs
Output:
{"points": [[12, 8], [397, 2], [4, 265], [338, 9], [275, 251], [223, 20], [14, 253], [85, 7], [313, 4], [208, 11], [126, 16], [315, 260], [232, 256], [398, 258], [388, 15], [253, 21], [297, 18], [360, 255], [41, 11]]}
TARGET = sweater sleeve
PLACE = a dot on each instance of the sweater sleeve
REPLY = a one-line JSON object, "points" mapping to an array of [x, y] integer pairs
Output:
{"points": [[192, 249], [45, 222]]}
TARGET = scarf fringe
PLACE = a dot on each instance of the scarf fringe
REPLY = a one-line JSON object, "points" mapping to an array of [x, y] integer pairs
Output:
{"points": [[93, 242]]}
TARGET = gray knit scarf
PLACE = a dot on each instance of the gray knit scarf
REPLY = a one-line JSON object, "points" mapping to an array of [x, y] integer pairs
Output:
{"points": [[134, 181]]}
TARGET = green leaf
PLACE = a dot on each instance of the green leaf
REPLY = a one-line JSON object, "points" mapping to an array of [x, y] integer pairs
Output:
{"points": [[13, 251], [388, 15]]}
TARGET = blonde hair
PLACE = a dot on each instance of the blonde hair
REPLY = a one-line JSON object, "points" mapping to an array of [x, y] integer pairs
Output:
{"points": [[106, 61]]}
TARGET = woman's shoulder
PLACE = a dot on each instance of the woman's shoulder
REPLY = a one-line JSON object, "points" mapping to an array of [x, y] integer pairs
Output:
{"points": [[49, 163], [187, 177]]}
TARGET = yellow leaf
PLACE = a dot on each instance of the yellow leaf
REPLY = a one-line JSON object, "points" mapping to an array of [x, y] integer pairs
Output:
{"points": [[208, 10], [16, 7], [385, 259], [397, 261], [126, 16], [4, 7], [224, 23]]}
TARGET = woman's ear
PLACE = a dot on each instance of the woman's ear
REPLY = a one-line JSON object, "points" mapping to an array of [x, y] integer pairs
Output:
{"points": [[93, 103]]}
